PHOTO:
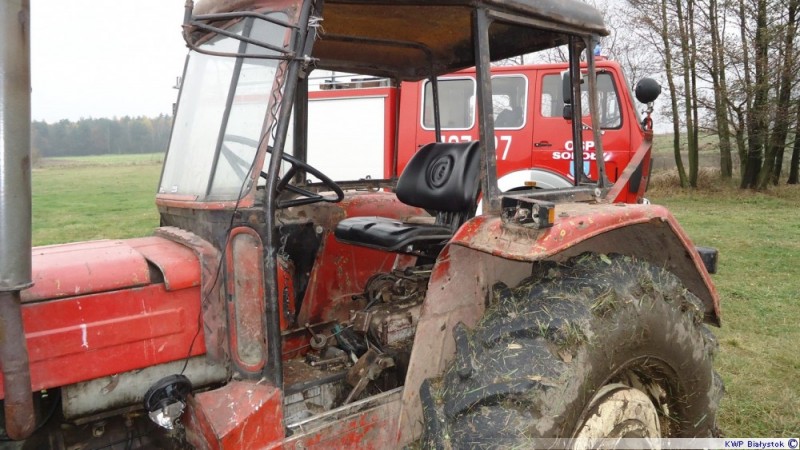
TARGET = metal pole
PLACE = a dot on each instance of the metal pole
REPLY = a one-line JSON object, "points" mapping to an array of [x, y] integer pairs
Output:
{"points": [[273, 370], [491, 193], [437, 119], [602, 179], [15, 211], [300, 135], [577, 108]]}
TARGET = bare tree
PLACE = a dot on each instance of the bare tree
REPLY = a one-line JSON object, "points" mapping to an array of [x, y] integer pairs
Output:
{"points": [[773, 158], [718, 80], [794, 164], [758, 111]]}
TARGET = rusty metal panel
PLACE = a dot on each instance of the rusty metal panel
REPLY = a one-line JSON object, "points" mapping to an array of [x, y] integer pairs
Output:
{"points": [[178, 264], [358, 37], [107, 333], [85, 268], [649, 232], [368, 424], [214, 318], [241, 415]]}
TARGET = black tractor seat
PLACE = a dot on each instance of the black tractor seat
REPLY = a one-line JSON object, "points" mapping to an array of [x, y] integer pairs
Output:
{"points": [[442, 178]]}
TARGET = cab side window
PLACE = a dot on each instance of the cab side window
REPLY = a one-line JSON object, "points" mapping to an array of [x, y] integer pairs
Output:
{"points": [[456, 104], [552, 101], [509, 101]]}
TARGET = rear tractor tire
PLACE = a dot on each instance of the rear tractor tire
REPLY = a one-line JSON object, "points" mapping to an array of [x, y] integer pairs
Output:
{"points": [[600, 347]]}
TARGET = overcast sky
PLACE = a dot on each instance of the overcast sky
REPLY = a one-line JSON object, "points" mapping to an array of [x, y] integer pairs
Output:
{"points": [[105, 58]]}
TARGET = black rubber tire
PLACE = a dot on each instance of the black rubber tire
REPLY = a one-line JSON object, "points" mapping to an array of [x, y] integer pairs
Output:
{"points": [[531, 366]]}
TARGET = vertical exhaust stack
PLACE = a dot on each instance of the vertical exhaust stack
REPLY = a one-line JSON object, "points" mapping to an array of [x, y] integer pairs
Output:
{"points": [[15, 212]]}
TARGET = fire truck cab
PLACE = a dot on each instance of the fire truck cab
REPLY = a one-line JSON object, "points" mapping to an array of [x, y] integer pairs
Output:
{"points": [[533, 139]]}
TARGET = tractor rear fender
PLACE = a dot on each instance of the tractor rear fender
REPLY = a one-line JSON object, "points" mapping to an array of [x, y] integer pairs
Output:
{"points": [[647, 232], [486, 250]]}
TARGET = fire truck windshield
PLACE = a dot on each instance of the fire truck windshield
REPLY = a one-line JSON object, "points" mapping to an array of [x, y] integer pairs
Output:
{"points": [[222, 111]]}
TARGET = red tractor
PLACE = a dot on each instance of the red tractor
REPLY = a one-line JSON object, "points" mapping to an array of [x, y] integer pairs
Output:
{"points": [[267, 311]]}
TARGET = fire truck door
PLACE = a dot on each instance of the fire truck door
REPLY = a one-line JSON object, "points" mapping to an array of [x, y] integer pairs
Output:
{"points": [[552, 137]]}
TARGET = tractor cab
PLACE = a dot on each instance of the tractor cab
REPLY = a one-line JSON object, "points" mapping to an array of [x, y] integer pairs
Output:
{"points": [[230, 176]]}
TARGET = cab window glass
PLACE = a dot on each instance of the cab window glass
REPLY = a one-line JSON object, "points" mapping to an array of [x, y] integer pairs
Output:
{"points": [[509, 101], [552, 101], [456, 104]]}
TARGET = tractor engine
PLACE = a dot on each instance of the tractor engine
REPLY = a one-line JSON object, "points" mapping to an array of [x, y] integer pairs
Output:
{"points": [[366, 355]]}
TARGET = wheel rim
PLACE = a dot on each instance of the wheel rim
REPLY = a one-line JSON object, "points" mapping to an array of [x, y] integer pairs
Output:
{"points": [[618, 412]]}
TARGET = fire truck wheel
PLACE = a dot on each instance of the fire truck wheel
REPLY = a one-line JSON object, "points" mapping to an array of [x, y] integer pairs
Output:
{"points": [[602, 346]]}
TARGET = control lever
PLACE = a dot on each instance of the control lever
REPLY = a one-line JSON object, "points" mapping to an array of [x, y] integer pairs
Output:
{"points": [[368, 368]]}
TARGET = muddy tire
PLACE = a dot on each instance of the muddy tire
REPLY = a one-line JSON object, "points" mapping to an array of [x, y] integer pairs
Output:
{"points": [[598, 347]]}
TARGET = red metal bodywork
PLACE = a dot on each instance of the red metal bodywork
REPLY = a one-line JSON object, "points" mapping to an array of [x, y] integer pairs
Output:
{"points": [[649, 232], [341, 270], [632, 183], [240, 415], [105, 307]]}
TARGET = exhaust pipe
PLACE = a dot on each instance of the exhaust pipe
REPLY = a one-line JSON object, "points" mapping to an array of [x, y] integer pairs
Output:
{"points": [[15, 212], [20, 420]]}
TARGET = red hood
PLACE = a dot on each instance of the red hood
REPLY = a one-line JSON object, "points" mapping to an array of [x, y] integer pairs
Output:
{"points": [[105, 307], [83, 268]]}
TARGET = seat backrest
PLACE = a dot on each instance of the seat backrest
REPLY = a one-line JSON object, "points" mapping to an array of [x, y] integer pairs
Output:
{"points": [[443, 177]]}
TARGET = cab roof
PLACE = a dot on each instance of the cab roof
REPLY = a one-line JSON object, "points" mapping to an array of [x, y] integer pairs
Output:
{"points": [[412, 39]]}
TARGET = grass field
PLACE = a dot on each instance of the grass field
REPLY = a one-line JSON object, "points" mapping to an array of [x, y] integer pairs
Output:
{"points": [[77, 199], [758, 235]]}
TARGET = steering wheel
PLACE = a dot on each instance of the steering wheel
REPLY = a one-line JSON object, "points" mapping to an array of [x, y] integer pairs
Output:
{"points": [[307, 196]]}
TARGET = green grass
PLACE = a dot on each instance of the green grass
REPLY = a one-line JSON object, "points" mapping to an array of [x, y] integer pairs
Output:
{"points": [[99, 197], [758, 235]]}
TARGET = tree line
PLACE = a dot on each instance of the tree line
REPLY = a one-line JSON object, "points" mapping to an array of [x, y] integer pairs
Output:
{"points": [[101, 136], [731, 69]]}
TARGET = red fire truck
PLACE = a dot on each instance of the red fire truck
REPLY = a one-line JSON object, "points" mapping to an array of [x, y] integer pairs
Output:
{"points": [[533, 141]]}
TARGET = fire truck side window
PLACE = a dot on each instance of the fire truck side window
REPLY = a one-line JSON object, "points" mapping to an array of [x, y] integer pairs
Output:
{"points": [[610, 116], [456, 104], [552, 102], [509, 100]]}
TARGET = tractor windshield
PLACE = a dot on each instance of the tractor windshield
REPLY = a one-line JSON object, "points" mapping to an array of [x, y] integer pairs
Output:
{"points": [[222, 111]]}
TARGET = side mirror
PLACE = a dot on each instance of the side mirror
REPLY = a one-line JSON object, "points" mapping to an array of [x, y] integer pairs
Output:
{"points": [[566, 88], [566, 113], [647, 90]]}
